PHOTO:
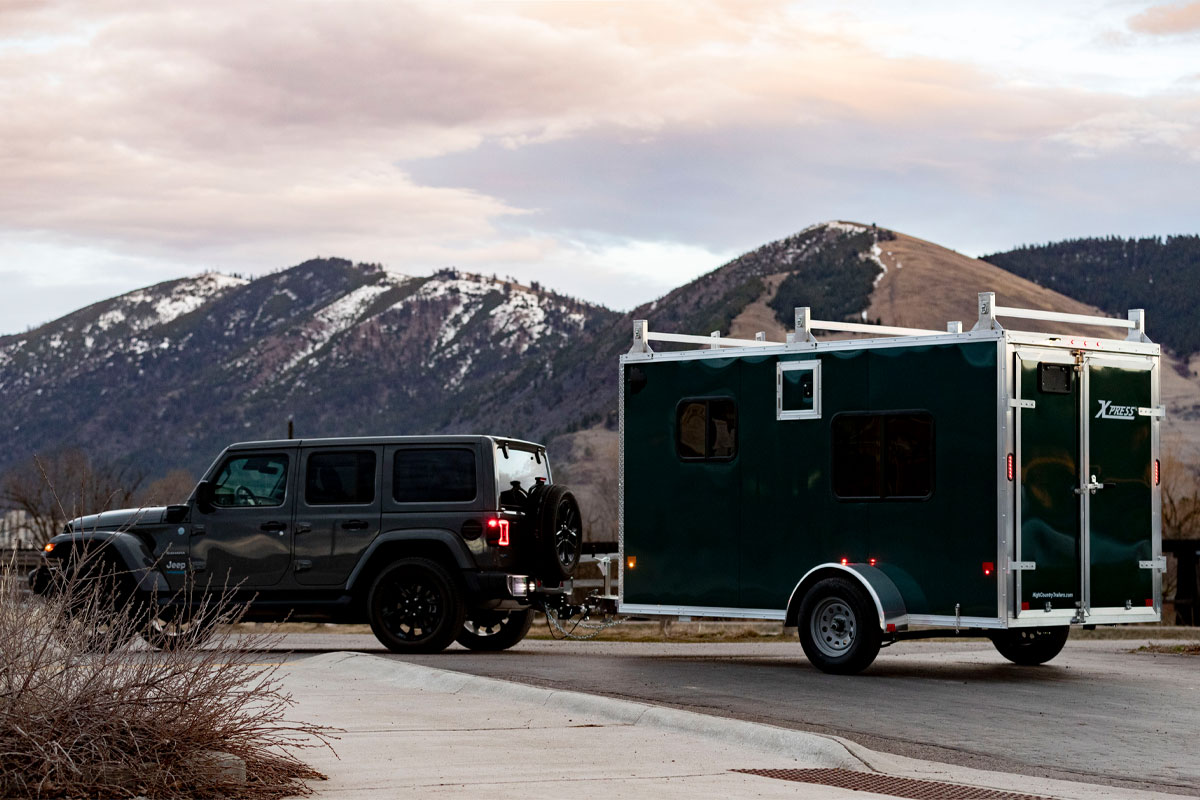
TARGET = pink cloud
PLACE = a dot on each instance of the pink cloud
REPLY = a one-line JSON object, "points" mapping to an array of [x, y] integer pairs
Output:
{"points": [[1166, 20]]}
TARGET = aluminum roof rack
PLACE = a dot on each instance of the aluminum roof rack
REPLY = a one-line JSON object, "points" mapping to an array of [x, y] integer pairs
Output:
{"points": [[989, 311]]}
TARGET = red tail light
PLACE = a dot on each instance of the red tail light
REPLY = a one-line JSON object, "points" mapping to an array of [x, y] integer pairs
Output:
{"points": [[1149, 602], [504, 541], [845, 561], [872, 562], [1012, 467], [988, 568]]}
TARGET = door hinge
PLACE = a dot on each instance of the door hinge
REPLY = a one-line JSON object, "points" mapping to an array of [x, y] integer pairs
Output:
{"points": [[1158, 412], [1023, 565], [1159, 564], [303, 564], [1018, 403]]}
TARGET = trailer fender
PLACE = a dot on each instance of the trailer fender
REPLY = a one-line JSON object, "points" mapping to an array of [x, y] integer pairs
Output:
{"points": [[893, 616]]}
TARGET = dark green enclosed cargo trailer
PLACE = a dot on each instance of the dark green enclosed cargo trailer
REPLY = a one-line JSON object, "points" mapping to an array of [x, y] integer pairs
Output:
{"points": [[995, 482]]}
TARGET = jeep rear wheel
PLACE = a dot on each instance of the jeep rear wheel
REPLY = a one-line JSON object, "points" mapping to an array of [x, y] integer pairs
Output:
{"points": [[415, 606], [491, 631]]}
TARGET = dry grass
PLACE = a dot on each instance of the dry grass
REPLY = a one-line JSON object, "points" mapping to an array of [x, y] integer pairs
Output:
{"points": [[1185, 649], [85, 712]]}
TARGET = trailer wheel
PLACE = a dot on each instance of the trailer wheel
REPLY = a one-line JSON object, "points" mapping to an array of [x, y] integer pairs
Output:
{"points": [[415, 606], [1030, 646], [491, 631], [838, 628]]}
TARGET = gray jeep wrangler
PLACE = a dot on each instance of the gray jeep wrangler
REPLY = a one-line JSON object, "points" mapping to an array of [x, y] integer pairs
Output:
{"points": [[430, 539]]}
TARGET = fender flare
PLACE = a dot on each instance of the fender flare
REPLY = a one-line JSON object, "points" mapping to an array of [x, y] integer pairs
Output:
{"points": [[458, 550], [130, 552], [893, 615]]}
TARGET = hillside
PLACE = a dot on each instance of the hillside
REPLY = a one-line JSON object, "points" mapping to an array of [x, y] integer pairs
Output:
{"points": [[1159, 275], [165, 376]]}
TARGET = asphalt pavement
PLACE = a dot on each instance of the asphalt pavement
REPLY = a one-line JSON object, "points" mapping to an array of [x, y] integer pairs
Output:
{"points": [[1098, 713]]}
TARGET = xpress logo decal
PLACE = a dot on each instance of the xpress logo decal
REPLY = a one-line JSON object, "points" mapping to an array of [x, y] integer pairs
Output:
{"points": [[1109, 411]]}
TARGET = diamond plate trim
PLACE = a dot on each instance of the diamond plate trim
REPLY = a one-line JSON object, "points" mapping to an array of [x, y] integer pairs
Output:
{"points": [[886, 784]]}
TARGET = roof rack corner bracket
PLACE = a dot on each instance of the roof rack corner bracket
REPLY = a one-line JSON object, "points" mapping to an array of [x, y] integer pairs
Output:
{"points": [[641, 338], [987, 313], [1137, 333], [714, 345], [803, 332]]}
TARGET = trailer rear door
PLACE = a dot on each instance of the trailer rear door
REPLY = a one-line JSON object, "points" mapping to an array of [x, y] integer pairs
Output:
{"points": [[1085, 499]]}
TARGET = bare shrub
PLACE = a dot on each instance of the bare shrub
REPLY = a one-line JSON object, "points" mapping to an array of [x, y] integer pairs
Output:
{"points": [[84, 712]]}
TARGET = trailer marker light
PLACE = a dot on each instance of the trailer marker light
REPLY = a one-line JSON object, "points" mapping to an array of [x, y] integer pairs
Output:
{"points": [[1011, 467], [630, 562], [845, 561], [1149, 602], [988, 567], [1025, 606], [504, 541], [891, 627], [1157, 472], [872, 562]]}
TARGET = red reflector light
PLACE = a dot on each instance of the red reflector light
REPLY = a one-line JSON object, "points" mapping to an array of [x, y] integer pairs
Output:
{"points": [[989, 567], [845, 561], [492, 523], [503, 541], [1157, 472], [891, 628], [1024, 606], [1149, 602], [1012, 467], [872, 562]]}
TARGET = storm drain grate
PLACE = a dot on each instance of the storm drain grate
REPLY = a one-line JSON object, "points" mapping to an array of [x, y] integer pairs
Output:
{"points": [[886, 784]]}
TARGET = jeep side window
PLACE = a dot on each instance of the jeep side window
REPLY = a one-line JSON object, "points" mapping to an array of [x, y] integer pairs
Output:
{"points": [[340, 479], [433, 475], [251, 480]]}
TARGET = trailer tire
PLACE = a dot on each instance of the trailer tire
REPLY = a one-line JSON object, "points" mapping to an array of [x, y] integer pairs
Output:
{"points": [[492, 631], [415, 606], [1030, 647], [837, 627]]}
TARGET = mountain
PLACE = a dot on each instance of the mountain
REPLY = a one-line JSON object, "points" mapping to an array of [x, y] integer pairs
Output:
{"points": [[164, 377], [1159, 275]]}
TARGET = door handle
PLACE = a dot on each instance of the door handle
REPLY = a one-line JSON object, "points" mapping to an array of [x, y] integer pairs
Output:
{"points": [[355, 525], [273, 527], [303, 527]]}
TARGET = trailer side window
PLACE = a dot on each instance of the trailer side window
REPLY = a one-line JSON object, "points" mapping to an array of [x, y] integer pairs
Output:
{"points": [[706, 429], [798, 390], [883, 456]]}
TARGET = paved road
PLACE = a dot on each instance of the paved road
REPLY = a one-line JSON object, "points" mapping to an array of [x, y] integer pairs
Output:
{"points": [[1098, 712]]}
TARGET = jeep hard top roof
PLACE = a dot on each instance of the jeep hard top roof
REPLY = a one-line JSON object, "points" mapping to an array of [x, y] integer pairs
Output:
{"points": [[350, 441]]}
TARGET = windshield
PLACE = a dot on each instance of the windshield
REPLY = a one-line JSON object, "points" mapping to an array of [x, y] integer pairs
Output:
{"points": [[523, 467]]}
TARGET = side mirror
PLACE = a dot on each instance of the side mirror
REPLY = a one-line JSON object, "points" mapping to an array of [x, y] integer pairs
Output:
{"points": [[175, 514], [204, 497]]}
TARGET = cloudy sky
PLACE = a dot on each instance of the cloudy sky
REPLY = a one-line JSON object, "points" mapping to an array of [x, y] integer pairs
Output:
{"points": [[610, 150]]}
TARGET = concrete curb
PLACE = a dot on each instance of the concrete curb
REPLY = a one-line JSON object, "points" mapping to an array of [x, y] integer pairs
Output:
{"points": [[810, 748]]}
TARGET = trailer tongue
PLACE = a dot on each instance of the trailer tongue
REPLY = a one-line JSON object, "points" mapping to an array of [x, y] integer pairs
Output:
{"points": [[992, 482]]}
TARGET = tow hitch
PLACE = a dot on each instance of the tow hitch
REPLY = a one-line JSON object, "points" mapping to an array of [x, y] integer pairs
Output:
{"points": [[594, 614]]}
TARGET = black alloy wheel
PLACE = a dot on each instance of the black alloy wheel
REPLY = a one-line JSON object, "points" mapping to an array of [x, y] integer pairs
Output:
{"points": [[491, 631], [415, 606], [560, 532], [1030, 647]]}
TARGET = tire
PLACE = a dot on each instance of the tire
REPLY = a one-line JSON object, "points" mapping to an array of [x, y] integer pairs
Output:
{"points": [[559, 533], [1030, 647], [492, 631], [415, 606], [838, 627]]}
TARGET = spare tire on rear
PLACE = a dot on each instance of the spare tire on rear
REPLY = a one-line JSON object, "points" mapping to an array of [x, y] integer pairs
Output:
{"points": [[558, 532]]}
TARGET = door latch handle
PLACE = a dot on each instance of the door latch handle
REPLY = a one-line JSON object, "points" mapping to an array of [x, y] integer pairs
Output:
{"points": [[273, 527], [355, 525], [1092, 486], [303, 527]]}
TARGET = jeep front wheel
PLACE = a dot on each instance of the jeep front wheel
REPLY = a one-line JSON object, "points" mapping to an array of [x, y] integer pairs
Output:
{"points": [[415, 606], [491, 631]]}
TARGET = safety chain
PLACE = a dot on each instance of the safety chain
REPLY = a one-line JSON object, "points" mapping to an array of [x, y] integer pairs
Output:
{"points": [[557, 631]]}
